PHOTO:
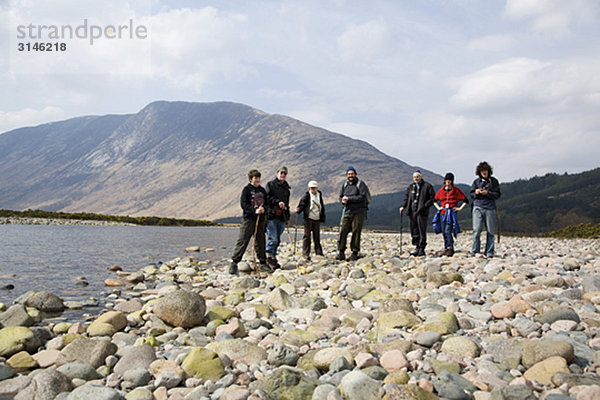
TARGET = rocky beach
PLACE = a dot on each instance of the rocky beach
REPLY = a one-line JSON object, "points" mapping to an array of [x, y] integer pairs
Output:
{"points": [[522, 325]]}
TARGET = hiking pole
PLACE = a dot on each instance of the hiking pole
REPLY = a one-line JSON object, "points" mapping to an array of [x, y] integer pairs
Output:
{"points": [[254, 245], [295, 232], [498, 225], [401, 214]]}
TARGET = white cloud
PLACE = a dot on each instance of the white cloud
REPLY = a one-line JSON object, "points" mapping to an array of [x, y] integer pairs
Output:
{"points": [[29, 117], [552, 17], [490, 43], [363, 42]]}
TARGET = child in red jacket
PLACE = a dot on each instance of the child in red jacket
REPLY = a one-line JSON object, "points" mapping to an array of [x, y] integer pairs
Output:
{"points": [[449, 197]]}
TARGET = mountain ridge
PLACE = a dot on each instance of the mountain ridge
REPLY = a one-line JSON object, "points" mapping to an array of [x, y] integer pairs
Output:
{"points": [[179, 159]]}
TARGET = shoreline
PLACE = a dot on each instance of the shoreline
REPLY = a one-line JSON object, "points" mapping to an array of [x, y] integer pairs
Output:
{"points": [[57, 221], [386, 325]]}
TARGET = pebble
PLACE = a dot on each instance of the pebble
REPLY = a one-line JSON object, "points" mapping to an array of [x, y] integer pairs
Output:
{"points": [[524, 323]]}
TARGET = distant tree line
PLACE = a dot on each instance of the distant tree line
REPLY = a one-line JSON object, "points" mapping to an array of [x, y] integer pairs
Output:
{"points": [[153, 221], [564, 205]]}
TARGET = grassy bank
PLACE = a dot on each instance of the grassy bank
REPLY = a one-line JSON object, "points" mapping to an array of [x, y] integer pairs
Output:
{"points": [[150, 221]]}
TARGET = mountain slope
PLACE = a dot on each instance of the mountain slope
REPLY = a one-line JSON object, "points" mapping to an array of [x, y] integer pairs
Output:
{"points": [[179, 159]]}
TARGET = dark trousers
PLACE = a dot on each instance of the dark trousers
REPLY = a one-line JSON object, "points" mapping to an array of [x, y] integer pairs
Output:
{"points": [[351, 223], [246, 232], [311, 227], [418, 230]]}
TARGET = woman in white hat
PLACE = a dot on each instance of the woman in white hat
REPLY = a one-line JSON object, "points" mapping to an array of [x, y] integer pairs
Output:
{"points": [[311, 204]]}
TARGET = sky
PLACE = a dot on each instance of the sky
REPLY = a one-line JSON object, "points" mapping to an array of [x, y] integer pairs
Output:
{"points": [[438, 84]]}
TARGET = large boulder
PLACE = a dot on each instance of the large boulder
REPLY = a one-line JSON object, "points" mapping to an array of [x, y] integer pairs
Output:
{"points": [[45, 301], [181, 308], [14, 339], [45, 385], [135, 357], [89, 351], [16, 316]]}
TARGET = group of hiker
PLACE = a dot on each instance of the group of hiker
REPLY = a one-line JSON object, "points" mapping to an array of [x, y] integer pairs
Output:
{"points": [[267, 210]]}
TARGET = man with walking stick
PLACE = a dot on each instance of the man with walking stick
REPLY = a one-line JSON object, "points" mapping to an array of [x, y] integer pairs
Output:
{"points": [[253, 223]]}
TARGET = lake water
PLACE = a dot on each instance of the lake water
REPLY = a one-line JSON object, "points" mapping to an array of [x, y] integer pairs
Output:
{"points": [[52, 257]]}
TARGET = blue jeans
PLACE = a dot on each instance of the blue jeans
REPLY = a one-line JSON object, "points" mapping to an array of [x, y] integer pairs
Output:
{"points": [[448, 238], [275, 228], [481, 217]]}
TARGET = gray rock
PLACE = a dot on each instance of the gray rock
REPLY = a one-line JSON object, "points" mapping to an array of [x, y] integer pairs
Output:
{"points": [[16, 316], [281, 354], [358, 385], [96, 392], [375, 372], [513, 392], [85, 350], [428, 338], [181, 308], [137, 376], [524, 325], [135, 357], [591, 284], [322, 391], [129, 306], [453, 386], [45, 301], [572, 380], [507, 352], [10, 387], [339, 364], [556, 315], [45, 385], [6, 372], [168, 379], [79, 371]]}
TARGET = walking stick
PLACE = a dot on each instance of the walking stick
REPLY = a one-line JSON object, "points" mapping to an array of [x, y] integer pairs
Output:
{"points": [[498, 226], [295, 232], [254, 244], [401, 233]]}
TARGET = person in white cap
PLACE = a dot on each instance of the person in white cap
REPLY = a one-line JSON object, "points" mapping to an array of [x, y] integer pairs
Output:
{"points": [[311, 204]]}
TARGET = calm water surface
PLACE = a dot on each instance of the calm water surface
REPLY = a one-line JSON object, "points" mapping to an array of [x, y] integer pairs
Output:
{"points": [[52, 257]]}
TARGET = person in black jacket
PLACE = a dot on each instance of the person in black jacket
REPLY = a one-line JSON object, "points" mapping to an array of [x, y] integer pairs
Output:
{"points": [[485, 190], [313, 208], [420, 196], [278, 216], [354, 196], [254, 222]]}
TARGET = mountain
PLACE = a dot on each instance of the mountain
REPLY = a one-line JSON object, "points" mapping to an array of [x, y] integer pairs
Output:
{"points": [[181, 160], [536, 205]]}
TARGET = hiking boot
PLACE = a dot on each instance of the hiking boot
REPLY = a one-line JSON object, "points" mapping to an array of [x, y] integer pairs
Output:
{"points": [[353, 256], [450, 252], [263, 267], [415, 253], [341, 257], [272, 262], [420, 253], [233, 268]]}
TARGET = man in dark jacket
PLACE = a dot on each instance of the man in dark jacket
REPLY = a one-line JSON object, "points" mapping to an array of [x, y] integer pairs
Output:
{"points": [[252, 202], [353, 195], [485, 190], [419, 198], [313, 208], [278, 216]]}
